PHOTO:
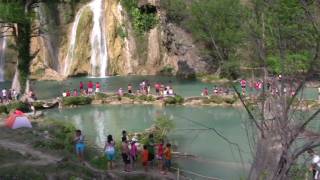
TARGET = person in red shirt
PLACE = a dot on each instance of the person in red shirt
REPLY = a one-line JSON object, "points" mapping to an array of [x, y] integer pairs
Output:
{"points": [[97, 87], [68, 93], [145, 157], [90, 87], [160, 154], [81, 85], [167, 157]]}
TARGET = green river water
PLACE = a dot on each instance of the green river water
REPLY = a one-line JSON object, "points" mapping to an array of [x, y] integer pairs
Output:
{"points": [[215, 157]]}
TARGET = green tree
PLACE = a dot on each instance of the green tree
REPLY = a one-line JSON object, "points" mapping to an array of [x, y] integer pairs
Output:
{"points": [[219, 24], [16, 20]]}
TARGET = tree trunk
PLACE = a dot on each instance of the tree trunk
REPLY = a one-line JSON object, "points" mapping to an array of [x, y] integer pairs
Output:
{"points": [[24, 57], [271, 161]]}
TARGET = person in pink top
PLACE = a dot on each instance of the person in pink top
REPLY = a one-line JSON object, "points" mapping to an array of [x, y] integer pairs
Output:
{"points": [[75, 92], [157, 88], [133, 152], [243, 84]]}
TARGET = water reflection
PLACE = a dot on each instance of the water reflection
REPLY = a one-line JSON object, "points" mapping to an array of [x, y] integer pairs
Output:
{"points": [[215, 157]]}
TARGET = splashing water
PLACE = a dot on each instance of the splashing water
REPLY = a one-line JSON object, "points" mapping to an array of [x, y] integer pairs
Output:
{"points": [[3, 45], [99, 55]]}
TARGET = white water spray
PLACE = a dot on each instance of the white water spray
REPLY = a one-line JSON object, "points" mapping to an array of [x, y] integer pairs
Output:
{"points": [[99, 55], [98, 40], [3, 45], [69, 58]]}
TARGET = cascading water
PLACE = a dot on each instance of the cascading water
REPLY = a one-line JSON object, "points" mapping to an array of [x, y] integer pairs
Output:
{"points": [[98, 40], [3, 45], [99, 55], [69, 58]]}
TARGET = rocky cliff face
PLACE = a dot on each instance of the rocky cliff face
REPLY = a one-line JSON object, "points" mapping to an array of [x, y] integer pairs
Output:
{"points": [[166, 49]]}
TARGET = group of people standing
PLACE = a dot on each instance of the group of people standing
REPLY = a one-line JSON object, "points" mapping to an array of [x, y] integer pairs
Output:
{"points": [[88, 90], [8, 95], [131, 152]]}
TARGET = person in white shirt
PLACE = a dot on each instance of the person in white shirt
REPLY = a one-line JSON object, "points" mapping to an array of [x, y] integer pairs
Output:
{"points": [[315, 164], [4, 94]]}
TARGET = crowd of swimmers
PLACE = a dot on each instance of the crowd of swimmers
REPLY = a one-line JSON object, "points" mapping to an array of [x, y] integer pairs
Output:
{"points": [[149, 154], [144, 88]]}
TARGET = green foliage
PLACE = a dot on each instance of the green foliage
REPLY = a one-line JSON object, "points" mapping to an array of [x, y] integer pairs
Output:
{"points": [[99, 162], [62, 134], [100, 96], [165, 124], [38, 105], [131, 96], [80, 100], [219, 24], [298, 172], [216, 99], [13, 12], [288, 35], [292, 64], [19, 106], [176, 10], [3, 109], [121, 31], [174, 100], [142, 21], [167, 70], [146, 98]]}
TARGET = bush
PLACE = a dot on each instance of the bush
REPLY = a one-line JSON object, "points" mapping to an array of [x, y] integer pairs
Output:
{"points": [[179, 99], [129, 96], [100, 96], [3, 109], [174, 100], [121, 31], [99, 162], [146, 98], [62, 134], [19, 106], [167, 70], [142, 20], [81, 100], [216, 99], [38, 105], [230, 100]]}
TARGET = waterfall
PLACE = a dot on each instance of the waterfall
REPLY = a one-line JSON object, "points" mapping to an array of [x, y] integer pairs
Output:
{"points": [[98, 40], [99, 55], [3, 45], [47, 38], [69, 58]]}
